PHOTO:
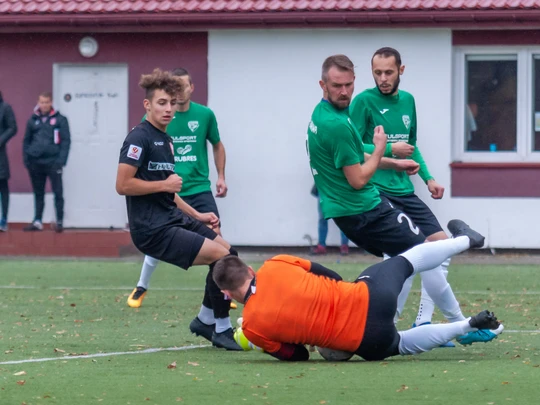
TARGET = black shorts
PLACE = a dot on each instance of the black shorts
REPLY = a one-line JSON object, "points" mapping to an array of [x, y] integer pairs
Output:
{"points": [[203, 202], [384, 281], [383, 229], [417, 210], [176, 243]]}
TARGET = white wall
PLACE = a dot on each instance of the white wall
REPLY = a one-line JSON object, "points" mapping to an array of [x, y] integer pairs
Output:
{"points": [[263, 86]]}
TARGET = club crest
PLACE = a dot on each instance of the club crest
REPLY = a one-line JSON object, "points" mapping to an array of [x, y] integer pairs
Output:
{"points": [[193, 125], [406, 121]]}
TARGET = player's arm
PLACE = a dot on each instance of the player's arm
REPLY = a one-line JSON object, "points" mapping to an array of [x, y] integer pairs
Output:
{"points": [[279, 350], [308, 266], [358, 174], [208, 218], [291, 352], [320, 270], [219, 160], [128, 184]]}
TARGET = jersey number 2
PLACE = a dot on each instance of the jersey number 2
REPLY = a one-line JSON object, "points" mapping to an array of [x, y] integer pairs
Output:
{"points": [[414, 229]]}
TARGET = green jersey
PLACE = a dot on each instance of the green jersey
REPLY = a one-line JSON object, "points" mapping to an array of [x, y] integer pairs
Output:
{"points": [[397, 114], [334, 142], [190, 131]]}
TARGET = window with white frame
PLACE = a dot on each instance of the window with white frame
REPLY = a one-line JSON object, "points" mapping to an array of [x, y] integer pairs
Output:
{"points": [[496, 104]]}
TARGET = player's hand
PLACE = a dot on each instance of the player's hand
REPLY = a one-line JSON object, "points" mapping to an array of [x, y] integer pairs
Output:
{"points": [[173, 184], [436, 190], [243, 342], [221, 188], [407, 165], [402, 149], [209, 218], [379, 137]]}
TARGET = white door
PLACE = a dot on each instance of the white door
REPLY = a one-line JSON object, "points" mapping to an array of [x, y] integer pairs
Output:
{"points": [[94, 99]]}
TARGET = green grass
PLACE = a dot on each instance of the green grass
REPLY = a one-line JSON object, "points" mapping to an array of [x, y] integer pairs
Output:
{"points": [[67, 311]]}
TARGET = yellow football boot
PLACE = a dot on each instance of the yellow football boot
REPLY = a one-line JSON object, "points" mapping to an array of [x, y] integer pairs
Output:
{"points": [[135, 299]]}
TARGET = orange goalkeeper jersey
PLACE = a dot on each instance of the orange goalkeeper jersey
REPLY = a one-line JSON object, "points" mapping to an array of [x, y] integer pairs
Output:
{"points": [[288, 304]]}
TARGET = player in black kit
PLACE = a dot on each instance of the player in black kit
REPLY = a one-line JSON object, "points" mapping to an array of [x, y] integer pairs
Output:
{"points": [[162, 225]]}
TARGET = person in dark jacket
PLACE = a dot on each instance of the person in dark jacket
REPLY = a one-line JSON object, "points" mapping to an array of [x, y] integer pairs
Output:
{"points": [[8, 129], [45, 152]]}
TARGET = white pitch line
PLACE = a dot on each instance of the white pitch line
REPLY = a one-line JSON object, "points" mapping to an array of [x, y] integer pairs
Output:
{"points": [[155, 350], [33, 287], [90, 356], [129, 288]]}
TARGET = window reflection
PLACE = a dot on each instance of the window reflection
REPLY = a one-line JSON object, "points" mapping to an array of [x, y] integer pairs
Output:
{"points": [[491, 108]]}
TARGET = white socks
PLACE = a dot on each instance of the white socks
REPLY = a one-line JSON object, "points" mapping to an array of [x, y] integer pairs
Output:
{"points": [[206, 315], [427, 306], [427, 337], [222, 324], [148, 268], [429, 256]]}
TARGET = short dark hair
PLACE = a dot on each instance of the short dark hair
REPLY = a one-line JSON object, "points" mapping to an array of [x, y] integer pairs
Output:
{"points": [[46, 94], [179, 72], [160, 80], [388, 52], [230, 273], [342, 62]]}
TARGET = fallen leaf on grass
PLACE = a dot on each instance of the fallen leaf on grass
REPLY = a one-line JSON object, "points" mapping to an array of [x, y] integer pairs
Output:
{"points": [[178, 399], [8, 351], [20, 373], [21, 382], [402, 388], [72, 305], [172, 365], [191, 363], [505, 383], [56, 350]]}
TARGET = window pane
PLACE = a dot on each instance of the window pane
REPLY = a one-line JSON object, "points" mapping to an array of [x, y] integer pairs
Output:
{"points": [[491, 109], [536, 98]]}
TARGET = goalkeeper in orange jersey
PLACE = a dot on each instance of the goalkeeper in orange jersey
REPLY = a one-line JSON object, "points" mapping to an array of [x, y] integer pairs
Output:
{"points": [[291, 302]]}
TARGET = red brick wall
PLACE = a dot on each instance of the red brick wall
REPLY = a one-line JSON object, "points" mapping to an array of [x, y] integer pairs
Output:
{"points": [[26, 69]]}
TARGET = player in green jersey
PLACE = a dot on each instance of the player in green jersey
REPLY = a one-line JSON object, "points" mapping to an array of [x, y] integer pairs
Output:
{"points": [[342, 172], [194, 126], [395, 110]]}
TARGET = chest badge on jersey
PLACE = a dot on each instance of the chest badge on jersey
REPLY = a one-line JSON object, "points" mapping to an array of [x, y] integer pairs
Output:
{"points": [[406, 121], [183, 151], [193, 125]]}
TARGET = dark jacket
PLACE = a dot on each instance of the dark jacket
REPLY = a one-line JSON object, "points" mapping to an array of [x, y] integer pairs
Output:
{"points": [[8, 129], [46, 140]]}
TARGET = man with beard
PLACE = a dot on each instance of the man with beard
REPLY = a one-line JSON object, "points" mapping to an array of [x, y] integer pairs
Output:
{"points": [[395, 110], [342, 172]]}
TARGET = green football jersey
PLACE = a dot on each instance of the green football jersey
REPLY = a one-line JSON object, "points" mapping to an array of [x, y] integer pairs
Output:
{"points": [[334, 142], [190, 131], [397, 114]]}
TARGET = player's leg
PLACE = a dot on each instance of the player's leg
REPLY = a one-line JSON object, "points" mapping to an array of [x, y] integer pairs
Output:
{"points": [[424, 218], [214, 299], [322, 232], [55, 176], [428, 337], [4, 202], [136, 297], [38, 178], [386, 229]]}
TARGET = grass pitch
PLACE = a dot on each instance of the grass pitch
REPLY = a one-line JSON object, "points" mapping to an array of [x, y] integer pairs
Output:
{"points": [[64, 314]]}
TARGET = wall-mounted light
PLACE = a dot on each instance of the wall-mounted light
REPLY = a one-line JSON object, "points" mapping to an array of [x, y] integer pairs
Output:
{"points": [[88, 47]]}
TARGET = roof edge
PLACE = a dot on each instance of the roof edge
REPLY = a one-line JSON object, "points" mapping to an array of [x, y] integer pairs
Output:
{"points": [[201, 21]]}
